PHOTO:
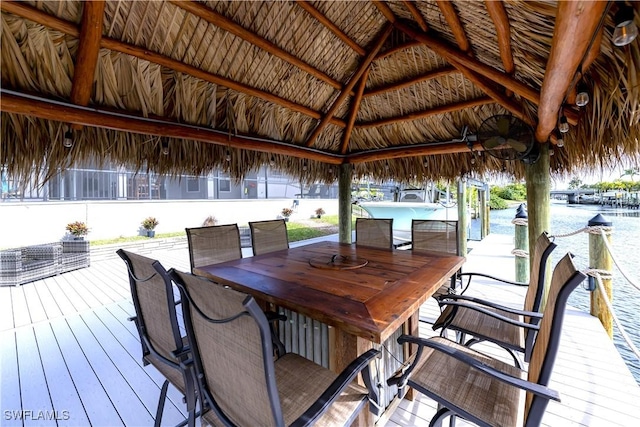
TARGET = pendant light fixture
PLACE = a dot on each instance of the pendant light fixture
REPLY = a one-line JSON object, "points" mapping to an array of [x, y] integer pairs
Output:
{"points": [[626, 30]]}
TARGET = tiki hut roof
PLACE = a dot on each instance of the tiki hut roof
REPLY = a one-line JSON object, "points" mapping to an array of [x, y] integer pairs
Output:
{"points": [[399, 89]]}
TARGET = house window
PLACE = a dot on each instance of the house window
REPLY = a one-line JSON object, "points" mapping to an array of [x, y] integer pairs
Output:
{"points": [[193, 185], [224, 184]]}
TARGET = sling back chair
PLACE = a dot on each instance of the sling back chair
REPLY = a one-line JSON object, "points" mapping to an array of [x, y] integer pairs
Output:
{"points": [[374, 232], [213, 245], [484, 390], [439, 236], [268, 236], [157, 324], [237, 374], [487, 321]]}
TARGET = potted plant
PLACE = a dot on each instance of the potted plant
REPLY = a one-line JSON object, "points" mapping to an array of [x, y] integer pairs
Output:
{"points": [[150, 224], [78, 230], [319, 212], [286, 213]]}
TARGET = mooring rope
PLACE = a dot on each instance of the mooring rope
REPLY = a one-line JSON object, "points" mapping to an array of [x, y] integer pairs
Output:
{"points": [[519, 221], [520, 253], [615, 261], [598, 274]]}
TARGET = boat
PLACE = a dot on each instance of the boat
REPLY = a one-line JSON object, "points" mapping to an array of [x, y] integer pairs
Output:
{"points": [[411, 205]]}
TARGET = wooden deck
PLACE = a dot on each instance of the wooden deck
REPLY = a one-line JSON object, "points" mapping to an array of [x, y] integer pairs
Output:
{"points": [[71, 357]]}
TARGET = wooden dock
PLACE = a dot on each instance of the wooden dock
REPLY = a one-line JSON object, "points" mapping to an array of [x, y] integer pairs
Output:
{"points": [[70, 357]]}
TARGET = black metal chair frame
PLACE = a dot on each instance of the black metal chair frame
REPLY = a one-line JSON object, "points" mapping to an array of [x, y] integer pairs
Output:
{"points": [[181, 353], [252, 309]]}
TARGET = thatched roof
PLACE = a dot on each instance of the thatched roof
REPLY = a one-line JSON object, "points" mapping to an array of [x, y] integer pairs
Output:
{"points": [[388, 86]]}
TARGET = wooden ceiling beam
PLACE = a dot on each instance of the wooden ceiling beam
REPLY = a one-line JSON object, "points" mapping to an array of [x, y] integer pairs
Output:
{"points": [[385, 10], [355, 107], [415, 12], [16, 103], [412, 151], [88, 49], [576, 24], [594, 51], [35, 15], [452, 54], [320, 17], [406, 83], [503, 29], [447, 9], [443, 109], [221, 21], [364, 65], [398, 48]]}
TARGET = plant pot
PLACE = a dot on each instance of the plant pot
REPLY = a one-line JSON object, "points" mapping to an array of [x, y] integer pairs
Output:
{"points": [[286, 219], [78, 237], [151, 233]]}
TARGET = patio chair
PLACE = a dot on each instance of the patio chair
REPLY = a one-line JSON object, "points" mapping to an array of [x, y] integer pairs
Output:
{"points": [[439, 236], [507, 327], [269, 236], [486, 391], [213, 245], [238, 377], [157, 324], [374, 232]]}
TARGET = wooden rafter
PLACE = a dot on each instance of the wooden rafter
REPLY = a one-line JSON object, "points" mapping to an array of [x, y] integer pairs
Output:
{"points": [[452, 54], [410, 82], [398, 48], [51, 110], [593, 53], [331, 26], [355, 107], [69, 28], [88, 49], [415, 12], [446, 7], [576, 24], [443, 109], [227, 24], [364, 65], [412, 151], [503, 29], [385, 10]]}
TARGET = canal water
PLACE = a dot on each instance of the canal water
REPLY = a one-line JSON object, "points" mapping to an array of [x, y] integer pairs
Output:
{"points": [[626, 247]]}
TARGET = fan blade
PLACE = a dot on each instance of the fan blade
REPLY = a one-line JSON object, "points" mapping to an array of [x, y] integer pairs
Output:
{"points": [[493, 142], [519, 146], [503, 125]]}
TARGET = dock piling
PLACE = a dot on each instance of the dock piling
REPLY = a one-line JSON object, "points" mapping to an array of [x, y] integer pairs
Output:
{"points": [[521, 245], [600, 259]]}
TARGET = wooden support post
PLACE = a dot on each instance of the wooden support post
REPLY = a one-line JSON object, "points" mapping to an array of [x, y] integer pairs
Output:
{"points": [[463, 218], [522, 244], [484, 211], [600, 258], [538, 203], [344, 202]]}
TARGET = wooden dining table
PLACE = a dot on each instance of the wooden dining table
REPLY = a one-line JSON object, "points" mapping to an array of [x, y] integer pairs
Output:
{"points": [[365, 295]]}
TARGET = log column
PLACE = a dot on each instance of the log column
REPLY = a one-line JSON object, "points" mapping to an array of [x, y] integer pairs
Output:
{"points": [[538, 202], [344, 202], [463, 218]]}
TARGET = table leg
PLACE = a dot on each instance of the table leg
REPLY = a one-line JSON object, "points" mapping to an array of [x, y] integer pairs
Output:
{"points": [[411, 327]]}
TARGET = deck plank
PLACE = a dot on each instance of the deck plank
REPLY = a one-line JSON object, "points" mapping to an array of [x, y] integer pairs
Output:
{"points": [[33, 383], [51, 308], [96, 401], [10, 384], [64, 394], [6, 309], [21, 315]]}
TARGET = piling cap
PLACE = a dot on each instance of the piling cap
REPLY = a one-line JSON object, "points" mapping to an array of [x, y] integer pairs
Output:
{"points": [[521, 212], [599, 220]]}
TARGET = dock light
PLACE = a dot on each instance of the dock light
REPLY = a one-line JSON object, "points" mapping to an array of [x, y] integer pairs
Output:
{"points": [[304, 166], [582, 95], [272, 161], [626, 30], [67, 141], [228, 156], [559, 140], [165, 148], [563, 126]]}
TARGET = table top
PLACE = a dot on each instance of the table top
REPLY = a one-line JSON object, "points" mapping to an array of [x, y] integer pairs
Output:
{"points": [[371, 301]]}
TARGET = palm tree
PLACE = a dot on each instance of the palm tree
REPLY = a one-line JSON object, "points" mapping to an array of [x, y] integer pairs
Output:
{"points": [[631, 172]]}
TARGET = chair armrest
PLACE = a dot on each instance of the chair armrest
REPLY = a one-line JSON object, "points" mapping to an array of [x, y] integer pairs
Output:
{"points": [[492, 313], [488, 276], [11, 260], [447, 299], [463, 357], [43, 252], [337, 387]]}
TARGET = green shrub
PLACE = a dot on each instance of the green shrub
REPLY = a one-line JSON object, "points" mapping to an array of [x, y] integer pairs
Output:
{"points": [[496, 202], [510, 192]]}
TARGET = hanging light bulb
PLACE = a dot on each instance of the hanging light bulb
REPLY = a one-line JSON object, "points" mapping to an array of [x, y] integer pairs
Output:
{"points": [[560, 141], [165, 147], [582, 95], [563, 126], [228, 156], [67, 141], [473, 158], [304, 166], [386, 165], [425, 163], [272, 161], [626, 30]]}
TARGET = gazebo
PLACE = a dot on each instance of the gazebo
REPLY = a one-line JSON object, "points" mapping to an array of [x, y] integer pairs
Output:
{"points": [[323, 90]]}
